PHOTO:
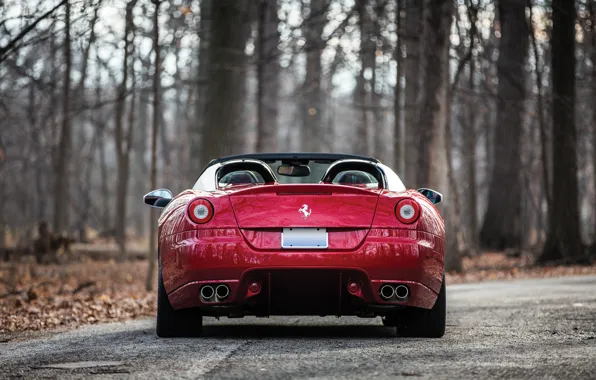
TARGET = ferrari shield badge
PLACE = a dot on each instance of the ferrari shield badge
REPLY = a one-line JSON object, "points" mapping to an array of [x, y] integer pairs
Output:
{"points": [[305, 211]]}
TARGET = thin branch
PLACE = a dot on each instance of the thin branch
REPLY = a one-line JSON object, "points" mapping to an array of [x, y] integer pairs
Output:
{"points": [[5, 50]]}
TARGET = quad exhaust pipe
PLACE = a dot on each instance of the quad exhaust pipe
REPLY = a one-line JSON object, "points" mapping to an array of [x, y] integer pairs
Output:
{"points": [[392, 292]]}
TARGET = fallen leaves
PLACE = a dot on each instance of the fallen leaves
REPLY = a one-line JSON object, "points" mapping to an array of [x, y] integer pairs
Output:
{"points": [[498, 266], [39, 297]]}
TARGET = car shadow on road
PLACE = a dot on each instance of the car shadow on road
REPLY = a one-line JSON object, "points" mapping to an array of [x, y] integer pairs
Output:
{"points": [[292, 331]]}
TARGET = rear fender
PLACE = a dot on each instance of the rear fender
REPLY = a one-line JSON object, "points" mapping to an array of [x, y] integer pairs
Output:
{"points": [[175, 219]]}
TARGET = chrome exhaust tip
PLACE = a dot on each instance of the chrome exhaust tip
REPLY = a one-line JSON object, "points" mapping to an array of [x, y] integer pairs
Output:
{"points": [[207, 292], [402, 292], [387, 292], [222, 292]]}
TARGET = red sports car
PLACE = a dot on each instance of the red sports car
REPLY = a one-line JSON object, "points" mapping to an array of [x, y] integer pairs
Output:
{"points": [[300, 234]]}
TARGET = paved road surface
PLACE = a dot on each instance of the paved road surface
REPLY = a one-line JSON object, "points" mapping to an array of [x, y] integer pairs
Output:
{"points": [[524, 329]]}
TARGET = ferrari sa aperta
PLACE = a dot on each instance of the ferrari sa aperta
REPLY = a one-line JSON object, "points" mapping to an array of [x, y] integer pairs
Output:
{"points": [[300, 234]]}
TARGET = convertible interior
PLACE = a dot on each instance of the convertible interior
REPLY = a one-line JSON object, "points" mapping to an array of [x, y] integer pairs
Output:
{"points": [[244, 173], [347, 173]]}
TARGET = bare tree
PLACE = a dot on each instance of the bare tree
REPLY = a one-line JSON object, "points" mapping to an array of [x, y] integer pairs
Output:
{"points": [[122, 137], [196, 130], [226, 83], [502, 226], [313, 102], [154, 134], [411, 37], [563, 241], [268, 77], [61, 187], [434, 119], [84, 166], [3, 196], [15, 42], [398, 131], [593, 58], [364, 86]]}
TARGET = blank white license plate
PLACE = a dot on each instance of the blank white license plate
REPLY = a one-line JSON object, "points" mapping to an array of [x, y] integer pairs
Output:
{"points": [[301, 238]]}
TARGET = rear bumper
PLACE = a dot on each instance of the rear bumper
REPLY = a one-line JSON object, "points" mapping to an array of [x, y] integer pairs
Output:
{"points": [[193, 259]]}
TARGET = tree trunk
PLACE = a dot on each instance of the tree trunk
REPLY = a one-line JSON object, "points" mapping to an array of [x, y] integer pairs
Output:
{"points": [[364, 87], [470, 164], [104, 199], [196, 131], [312, 95], [154, 134], [398, 132], [35, 156], [84, 166], [502, 225], [61, 186], [563, 241], [222, 132], [469, 154], [411, 37], [544, 189], [140, 148], [434, 121], [593, 14], [268, 77], [3, 186], [179, 171], [378, 132], [122, 145]]}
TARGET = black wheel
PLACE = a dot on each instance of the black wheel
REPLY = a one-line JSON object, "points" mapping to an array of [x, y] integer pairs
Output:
{"points": [[175, 323], [425, 323]]}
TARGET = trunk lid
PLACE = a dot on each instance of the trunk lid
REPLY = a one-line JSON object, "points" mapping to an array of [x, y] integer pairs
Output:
{"points": [[298, 205]]}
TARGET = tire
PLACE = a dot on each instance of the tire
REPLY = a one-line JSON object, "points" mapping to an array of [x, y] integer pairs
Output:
{"points": [[425, 323], [172, 323]]}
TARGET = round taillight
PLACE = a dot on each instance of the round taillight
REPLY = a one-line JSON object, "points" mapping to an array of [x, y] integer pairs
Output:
{"points": [[407, 211], [200, 211]]}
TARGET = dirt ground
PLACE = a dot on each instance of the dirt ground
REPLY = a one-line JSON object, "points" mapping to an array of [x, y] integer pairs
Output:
{"points": [[40, 297]]}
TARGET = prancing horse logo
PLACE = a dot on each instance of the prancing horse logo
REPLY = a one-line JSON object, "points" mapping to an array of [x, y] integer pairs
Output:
{"points": [[305, 211]]}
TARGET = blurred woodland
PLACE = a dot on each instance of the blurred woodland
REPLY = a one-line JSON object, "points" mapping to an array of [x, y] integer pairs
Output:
{"points": [[492, 102]]}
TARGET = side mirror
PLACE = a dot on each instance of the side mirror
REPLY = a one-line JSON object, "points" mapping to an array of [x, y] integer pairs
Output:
{"points": [[434, 196], [158, 198]]}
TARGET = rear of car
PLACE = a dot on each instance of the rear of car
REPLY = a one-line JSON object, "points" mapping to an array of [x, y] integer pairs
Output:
{"points": [[302, 249]]}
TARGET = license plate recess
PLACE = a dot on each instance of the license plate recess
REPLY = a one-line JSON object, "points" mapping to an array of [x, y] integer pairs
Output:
{"points": [[304, 238]]}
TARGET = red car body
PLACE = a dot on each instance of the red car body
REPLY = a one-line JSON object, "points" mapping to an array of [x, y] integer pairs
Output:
{"points": [[240, 246]]}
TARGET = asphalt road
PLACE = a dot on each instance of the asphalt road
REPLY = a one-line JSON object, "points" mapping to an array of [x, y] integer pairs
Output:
{"points": [[524, 329]]}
